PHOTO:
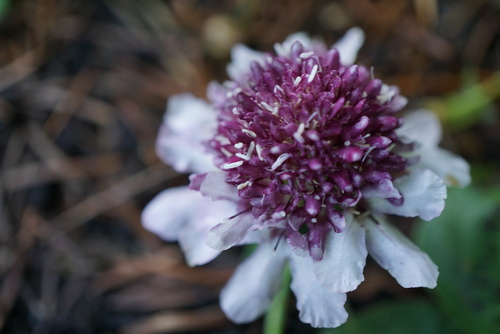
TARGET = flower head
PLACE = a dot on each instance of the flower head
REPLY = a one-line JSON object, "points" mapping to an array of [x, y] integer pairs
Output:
{"points": [[304, 153]]}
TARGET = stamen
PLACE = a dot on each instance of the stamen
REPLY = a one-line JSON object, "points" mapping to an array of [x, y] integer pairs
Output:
{"points": [[242, 156], [305, 55], [312, 116], [238, 145], [266, 106], [226, 152], [250, 149], [244, 185], [258, 148], [313, 73], [281, 159], [278, 88], [298, 134], [250, 133], [297, 80], [232, 165]]}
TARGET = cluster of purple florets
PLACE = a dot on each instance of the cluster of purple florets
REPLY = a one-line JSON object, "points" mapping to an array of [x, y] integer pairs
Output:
{"points": [[303, 136]]}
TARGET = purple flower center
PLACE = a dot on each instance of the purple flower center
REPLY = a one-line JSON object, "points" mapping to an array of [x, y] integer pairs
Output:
{"points": [[304, 136]]}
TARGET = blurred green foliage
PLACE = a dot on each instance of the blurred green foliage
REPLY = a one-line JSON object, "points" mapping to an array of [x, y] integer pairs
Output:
{"points": [[4, 7], [467, 106], [464, 243]]}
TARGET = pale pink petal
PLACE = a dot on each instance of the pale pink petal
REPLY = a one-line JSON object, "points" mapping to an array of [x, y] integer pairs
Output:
{"points": [[241, 58], [193, 237], [423, 191], [341, 269], [188, 123], [454, 170], [216, 187], [349, 45], [170, 211], [383, 189], [230, 232], [253, 286], [284, 48], [394, 252], [421, 126], [316, 306]]}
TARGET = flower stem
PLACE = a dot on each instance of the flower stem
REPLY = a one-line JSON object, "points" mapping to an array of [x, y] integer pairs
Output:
{"points": [[274, 321]]}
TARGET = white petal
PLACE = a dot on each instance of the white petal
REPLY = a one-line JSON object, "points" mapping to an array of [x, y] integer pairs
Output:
{"points": [[242, 56], [421, 126], [193, 237], [216, 187], [424, 193], [253, 286], [284, 48], [384, 189], [349, 45], [169, 211], [341, 269], [230, 232], [316, 306], [188, 123], [454, 170], [394, 252]]}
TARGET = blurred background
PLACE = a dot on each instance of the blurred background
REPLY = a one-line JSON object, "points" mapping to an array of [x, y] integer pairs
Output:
{"points": [[83, 85]]}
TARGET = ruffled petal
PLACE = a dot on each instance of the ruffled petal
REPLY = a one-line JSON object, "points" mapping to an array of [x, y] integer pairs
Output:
{"points": [[188, 123], [215, 186], [316, 306], [283, 49], [384, 189], [170, 211], [394, 252], [231, 232], [254, 284], [193, 236], [241, 58], [454, 170], [421, 126], [423, 195], [349, 45], [341, 269]]}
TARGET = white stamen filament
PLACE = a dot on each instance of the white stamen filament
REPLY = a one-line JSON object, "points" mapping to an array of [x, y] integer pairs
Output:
{"points": [[235, 111], [278, 88], [258, 148], [238, 145], [367, 152], [305, 55], [313, 73], [281, 159], [272, 109], [250, 133], [244, 185], [312, 116], [242, 156], [298, 134], [226, 152], [250, 149], [232, 165], [297, 81]]}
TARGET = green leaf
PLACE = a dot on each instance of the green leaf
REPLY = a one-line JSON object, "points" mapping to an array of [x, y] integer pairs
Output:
{"points": [[408, 317], [274, 321], [465, 107], [463, 242]]}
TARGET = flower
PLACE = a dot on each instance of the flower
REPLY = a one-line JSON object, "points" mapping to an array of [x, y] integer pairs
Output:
{"points": [[303, 153]]}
